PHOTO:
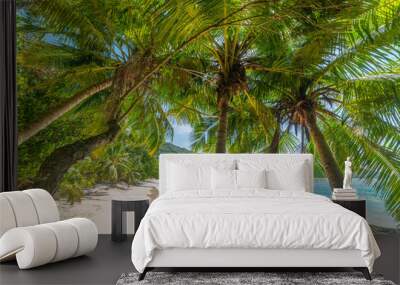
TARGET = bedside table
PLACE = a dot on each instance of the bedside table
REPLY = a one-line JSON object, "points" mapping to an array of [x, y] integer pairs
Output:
{"points": [[139, 206], [357, 206]]}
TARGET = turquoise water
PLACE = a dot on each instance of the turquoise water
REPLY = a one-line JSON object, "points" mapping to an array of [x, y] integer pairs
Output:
{"points": [[376, 212]]}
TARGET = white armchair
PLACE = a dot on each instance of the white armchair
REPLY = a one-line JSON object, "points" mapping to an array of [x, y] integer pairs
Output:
{"points": [[31, 230]]}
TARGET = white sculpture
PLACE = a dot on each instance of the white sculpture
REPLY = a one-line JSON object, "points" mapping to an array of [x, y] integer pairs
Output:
{"points": [[347, 174]]}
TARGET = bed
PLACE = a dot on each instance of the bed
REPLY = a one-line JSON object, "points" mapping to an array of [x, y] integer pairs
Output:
{"points": [[247, 210]]}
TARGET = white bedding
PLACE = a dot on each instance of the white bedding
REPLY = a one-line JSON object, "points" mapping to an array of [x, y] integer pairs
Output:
{"points": [[250, 218]]}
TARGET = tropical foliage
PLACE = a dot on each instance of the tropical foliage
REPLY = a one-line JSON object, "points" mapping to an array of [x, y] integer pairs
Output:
{"points": [[101, 81]]}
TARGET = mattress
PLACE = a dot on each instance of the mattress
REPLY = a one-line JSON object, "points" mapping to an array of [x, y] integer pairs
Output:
{"points": [[250, 219]]}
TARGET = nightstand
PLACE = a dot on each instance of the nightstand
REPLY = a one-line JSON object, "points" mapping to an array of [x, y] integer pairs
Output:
{"points": [[119, 206], [358, 206]]}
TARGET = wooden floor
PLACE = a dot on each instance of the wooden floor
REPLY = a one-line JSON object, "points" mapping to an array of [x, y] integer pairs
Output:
{"points": [[111, 259]]}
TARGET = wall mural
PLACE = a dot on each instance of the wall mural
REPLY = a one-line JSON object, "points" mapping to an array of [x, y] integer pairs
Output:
{"points": [[105, 86]]}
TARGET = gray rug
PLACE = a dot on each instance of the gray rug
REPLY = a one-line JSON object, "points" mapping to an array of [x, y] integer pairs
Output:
{"points": [[243, 278]]}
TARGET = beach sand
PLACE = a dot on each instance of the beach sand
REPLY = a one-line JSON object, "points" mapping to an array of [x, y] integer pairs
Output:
{"points": [[96, 204]]}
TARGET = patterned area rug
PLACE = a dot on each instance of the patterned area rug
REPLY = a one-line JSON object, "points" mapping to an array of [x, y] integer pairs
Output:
{"points": [[243, 278]]}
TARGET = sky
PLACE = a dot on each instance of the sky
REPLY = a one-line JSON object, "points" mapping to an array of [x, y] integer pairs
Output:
{"points": [[182, 135]]}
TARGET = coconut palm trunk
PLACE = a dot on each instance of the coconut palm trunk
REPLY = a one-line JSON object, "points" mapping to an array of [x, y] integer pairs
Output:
{"points": [[60, 160], [328, 161], [60, 110], [222, 132], [276, 138], [57, 164], [274, 146]]}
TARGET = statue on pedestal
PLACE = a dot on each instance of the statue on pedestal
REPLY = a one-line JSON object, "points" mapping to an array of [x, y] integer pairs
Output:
{"points": [[347, 174]]}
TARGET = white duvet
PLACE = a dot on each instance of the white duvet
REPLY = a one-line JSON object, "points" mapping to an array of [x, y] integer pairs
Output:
{"points": [[250, 219]]}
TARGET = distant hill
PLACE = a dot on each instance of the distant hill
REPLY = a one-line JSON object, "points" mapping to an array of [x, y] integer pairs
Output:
{"points": [[171, 148]]}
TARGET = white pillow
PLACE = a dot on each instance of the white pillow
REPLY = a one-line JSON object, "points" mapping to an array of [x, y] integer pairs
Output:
{"points": [[182, 177], [251, 178], [223, 179], [292, 179], [287, 174]]}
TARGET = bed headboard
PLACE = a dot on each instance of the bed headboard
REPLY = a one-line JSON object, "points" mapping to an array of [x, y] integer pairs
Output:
{"points": [[212, 159]]}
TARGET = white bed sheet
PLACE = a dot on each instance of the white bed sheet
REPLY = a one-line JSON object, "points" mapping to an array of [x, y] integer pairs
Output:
{"points": [[250, 218]]}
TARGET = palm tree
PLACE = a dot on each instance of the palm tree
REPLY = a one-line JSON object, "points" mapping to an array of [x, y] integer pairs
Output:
{"points": [[105, 56], [217, 59], [340, 74], [108, 56], [344, 92], [231, 78], [227, 54]]}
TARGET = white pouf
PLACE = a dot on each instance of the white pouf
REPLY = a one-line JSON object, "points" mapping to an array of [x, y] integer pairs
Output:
{"points": [[31, 232]]}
